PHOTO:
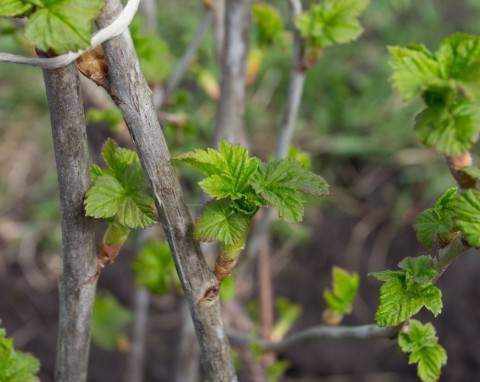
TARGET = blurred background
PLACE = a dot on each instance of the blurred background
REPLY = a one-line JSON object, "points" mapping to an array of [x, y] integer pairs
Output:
{"points": [[359, 137]]}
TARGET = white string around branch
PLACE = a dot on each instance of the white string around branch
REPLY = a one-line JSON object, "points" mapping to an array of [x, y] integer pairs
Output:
{"points": [[120, 24]]}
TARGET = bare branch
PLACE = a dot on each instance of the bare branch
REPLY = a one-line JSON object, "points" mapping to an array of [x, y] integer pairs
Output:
{"points": [[231, 107], [185, 61], [77, 291], [117, 26], [132, 95], [448, 254], [137, 353], [363, 332]]}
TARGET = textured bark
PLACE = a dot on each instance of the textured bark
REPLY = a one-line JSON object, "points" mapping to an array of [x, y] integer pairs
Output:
{"points": [[77, 292], [230, 111], [132, 95]]}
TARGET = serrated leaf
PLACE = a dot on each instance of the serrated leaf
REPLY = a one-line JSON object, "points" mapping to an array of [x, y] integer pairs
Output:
{"points": [[154, 267], [105, 197], [332, 22], [220, 222], [118, 158], [283, 184], [419, 269], [109, 321], [269, 23], [345, 288], [16, 366], [430, 223], [13, 8], [228, 170], [63, 25], [445, 202], [95, 171], [451, 130], [415, 69], [421, 341], [467, 215], [399, 301]]}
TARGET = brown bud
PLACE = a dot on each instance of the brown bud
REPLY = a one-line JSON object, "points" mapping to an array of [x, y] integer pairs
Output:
{"points": [[224, 266], [92, 64]]}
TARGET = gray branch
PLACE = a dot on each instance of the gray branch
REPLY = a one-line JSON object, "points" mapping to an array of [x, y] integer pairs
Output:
{"points": [[363, 332], [77, 289], [231, 107], [448, 255], [132, 95]]}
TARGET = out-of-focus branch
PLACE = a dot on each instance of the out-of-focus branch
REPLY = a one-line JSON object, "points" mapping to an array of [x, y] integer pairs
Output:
{"points": [[148, 10], [231, 107], [136, 359], [185, 61], [363, 332], [77, 288], [218, 7], [132, 95]]}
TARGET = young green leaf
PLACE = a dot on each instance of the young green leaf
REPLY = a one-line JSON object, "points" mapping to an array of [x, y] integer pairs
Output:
{"points": [[415, 69], [120, 191], [288, 314], [421, 341], [154, 267], [269, 23], [283, 184], [332, 22], [228, 170], [438, 221], [467, 215], [64, 25], [419, 269], [345, 288], [14, 8], [16, 366], [451, 130], [109, 321], [220, 222], [401, 297]]}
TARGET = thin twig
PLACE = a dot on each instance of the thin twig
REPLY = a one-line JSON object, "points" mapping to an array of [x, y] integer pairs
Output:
{"points": [[448, 254], [185, 61], [321, 332], [112, 30], [77, 293], [132, 95], [231, 107], [136, 359]]}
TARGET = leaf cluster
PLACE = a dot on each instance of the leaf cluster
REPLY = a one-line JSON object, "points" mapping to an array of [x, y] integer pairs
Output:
{"points": [[154, 267], [448, 81], [59, 26], [331, 22], [269, 24], [121, 191], [16, 366], [345, 287], [241, 185], [422, 343], [408, 290]]}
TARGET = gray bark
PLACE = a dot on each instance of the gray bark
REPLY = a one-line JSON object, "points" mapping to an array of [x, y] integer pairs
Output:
{"points": [[132, 95], [77, 291], [231, 107]]}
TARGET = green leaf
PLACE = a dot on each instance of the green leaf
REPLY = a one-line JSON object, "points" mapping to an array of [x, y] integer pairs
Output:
{"points": [[467, 215], [154, 53], [332, 22], [400, 299], [16, 366], [12, 8], [415, 69], [105, 197], [438, 221], [117, 158], [451, 130], [269, 23], [283, 184], [345, 288], [154, 267], [63, 25], [109, 321], [474, 172], [219, 221], [419, 269], [288, 314], [228, 170], [95, 171], [421, 341]]}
